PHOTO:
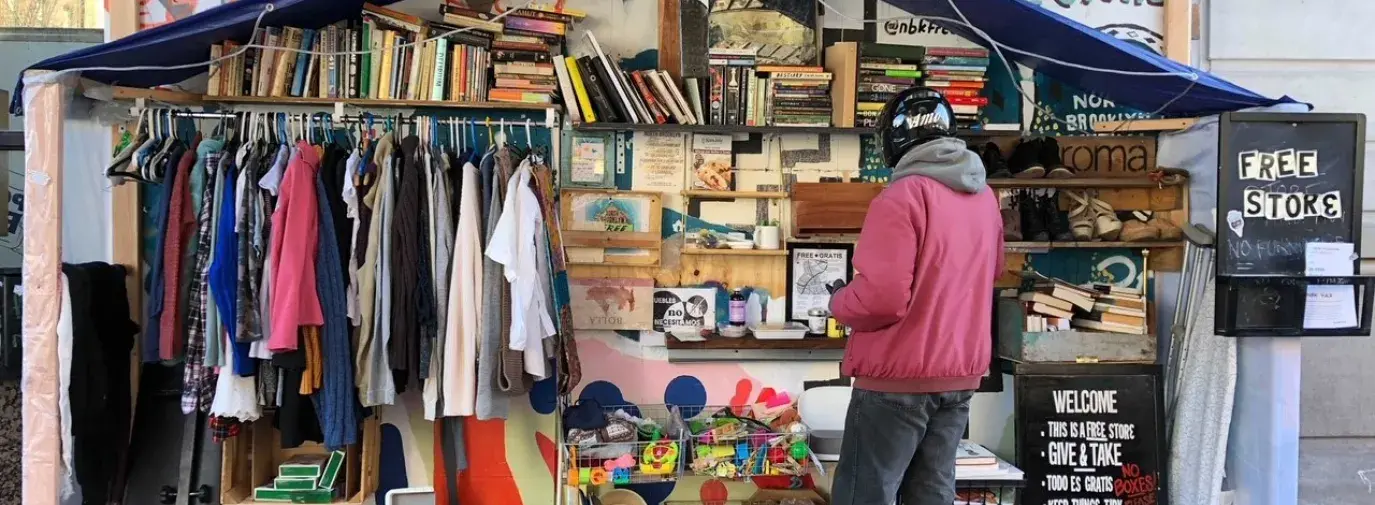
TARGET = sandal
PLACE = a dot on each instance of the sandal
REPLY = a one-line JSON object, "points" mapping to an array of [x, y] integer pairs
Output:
{"points": [[1080, 218], [1168, 230], [1107, 226]]}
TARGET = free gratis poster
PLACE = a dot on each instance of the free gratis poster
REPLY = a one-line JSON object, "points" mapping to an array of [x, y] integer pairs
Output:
{"points": [[809, 272]]}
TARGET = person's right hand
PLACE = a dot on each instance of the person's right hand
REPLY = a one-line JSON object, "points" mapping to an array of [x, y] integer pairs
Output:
{"points": [[835, 286]]}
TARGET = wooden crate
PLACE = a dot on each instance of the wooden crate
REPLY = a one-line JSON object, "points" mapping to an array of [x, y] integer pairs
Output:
{"points": [[831, 207], [250, 460], [1071, 346]]}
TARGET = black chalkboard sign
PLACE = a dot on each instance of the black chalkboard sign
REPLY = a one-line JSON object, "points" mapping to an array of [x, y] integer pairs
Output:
{"points": [[1090, 439], [1284, 181]]}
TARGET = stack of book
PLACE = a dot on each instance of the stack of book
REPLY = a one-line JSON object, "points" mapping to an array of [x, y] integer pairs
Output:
{"points": [[790, 96], [1055, 305], [884, 71], [305, 478], [595, 89], [959, 73], [522, 46], [729, 89]]}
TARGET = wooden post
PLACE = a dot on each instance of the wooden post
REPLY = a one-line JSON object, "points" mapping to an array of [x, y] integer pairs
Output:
{"points": [[1178, 30], [670, 38], [44, 110], [124, 214]]}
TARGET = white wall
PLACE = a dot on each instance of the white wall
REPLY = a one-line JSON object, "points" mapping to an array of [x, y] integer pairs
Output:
{"points": [[1320, 52]]}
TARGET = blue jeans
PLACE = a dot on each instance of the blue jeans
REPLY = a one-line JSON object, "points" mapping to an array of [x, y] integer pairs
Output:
{"points": [[900, 447]]}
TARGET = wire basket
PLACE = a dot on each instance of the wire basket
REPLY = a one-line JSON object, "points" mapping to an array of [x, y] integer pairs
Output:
{"points": [[985, 493], [635, 447], [731, 443]]}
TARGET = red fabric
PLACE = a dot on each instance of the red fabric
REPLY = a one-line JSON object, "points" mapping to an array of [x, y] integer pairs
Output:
{"points": [[295, 238], [441, 478], [181, 219], [921, 300]]}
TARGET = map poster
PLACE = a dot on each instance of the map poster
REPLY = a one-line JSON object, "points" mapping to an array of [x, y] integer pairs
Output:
{"points": [[684, 307], [612, 303], [811, 268]]}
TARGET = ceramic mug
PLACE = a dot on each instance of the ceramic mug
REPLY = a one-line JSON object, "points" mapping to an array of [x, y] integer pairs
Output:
{"points": [[766, 237]]}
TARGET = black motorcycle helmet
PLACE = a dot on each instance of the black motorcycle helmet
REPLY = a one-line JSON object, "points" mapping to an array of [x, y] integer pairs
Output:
{"points": [[914, 117]]}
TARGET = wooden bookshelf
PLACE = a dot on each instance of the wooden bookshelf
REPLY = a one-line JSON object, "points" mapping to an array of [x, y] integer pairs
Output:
{"points": [[702, 251], [1076, 183], [366, 103], [1092, 245], [760, 195], [839, 130]]}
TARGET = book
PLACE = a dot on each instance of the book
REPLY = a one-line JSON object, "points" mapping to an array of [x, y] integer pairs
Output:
{"points": [[1043, 298], [1109, 308], [467, 18], [748, 89], [385, 73], [693, 88], [888, 66], [804, 76], [970, 52], [607, 106], [1111, 289], [692, 116], [1089, 324], [731, 101], [956, 68], [517, 95], [580, 89], [977, 101], [615, 86], [970, 453], [566, 92], [524, 68], [944, 83], [1074, 295], [298, 81], [503, 55], [656, 109], [518, 23], [956, 60], [269, 62], [1048, 310], [1130, 302], [909, 74], [1109, 317], [716, 94], [217, 71], [544, 15], [665, 97], [898, 51]]}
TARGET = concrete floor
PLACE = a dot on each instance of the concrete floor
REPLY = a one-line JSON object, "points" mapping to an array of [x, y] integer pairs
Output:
{"points": [[1329, 471]]}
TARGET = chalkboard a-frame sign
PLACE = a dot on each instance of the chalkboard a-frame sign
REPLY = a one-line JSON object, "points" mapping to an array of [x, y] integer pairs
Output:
{"points": [[1285, 181]]}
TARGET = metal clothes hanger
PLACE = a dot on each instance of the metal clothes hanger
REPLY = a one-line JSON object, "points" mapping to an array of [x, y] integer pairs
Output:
{"points": [[125, 157]]}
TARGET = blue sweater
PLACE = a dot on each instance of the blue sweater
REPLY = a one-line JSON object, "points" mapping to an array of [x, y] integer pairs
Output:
{"points": [[336, 403]]}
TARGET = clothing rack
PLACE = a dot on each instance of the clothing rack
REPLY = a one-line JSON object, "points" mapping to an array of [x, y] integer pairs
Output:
{"points": [[355, 118]]}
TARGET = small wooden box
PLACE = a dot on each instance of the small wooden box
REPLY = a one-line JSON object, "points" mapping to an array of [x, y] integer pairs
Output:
{"points": [[251, 459], [831, 207]]}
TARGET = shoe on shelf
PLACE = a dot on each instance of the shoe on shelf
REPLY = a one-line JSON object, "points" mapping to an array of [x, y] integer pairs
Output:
{"points": [[1168, 230], [993, 162], [1049, 157], [1106, 225], [1012, 219], [1057, 221], [1025, 162], [1033, 219], [1081, 217], [1134, 227]]}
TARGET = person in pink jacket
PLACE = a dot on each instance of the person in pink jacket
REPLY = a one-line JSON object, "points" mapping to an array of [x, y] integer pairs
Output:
{"points": [[920, 305]]}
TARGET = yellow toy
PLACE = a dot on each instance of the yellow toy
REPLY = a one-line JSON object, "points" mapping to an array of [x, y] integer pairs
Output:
{"points": [[659, 458]]}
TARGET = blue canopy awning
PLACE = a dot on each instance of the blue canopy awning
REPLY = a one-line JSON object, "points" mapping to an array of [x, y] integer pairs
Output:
{"points": [[1014, 23], [1034, 29]]}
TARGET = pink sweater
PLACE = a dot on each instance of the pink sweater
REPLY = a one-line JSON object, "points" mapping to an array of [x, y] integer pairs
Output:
{"points": [[921, 300], [295, 240]]}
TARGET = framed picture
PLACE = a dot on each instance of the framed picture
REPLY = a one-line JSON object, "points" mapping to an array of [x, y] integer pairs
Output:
{"points": [[588, 160], [606, 226], [811, 267]]}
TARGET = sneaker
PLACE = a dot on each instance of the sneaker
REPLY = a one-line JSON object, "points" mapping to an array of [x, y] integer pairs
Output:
{"points": [[1050, 159], [1056, 220], [1025, 162], [1033, 219], [993, 162]]}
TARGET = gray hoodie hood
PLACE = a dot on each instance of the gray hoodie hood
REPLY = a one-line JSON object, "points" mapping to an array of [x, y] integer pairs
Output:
{"points": [[946, 160]]}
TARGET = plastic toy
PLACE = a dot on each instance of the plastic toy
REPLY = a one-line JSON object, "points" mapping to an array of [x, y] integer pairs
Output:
{"points": [[742, 453], [573, 466], [598, 476], [800, 450], [584, 475], [659, 458], [620, 476]]}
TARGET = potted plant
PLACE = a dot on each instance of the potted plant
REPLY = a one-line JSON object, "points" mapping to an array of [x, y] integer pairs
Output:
{"points": [[766, 234]]}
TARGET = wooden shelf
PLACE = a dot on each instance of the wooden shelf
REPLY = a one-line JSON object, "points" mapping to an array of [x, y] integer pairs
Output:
{"points": [[748, 342], [1092, 245], [734, 252], [680, 128], [761, 195], [1078, 182], [359, 102]]}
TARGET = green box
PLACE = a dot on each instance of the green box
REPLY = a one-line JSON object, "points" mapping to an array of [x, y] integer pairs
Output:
{"points": [[294, 483], [271, 494], [313, 496], [304, 465], [332, 467]]}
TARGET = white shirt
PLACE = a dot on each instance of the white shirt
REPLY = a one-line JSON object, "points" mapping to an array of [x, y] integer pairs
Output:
{"points": [[514, 244]]}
